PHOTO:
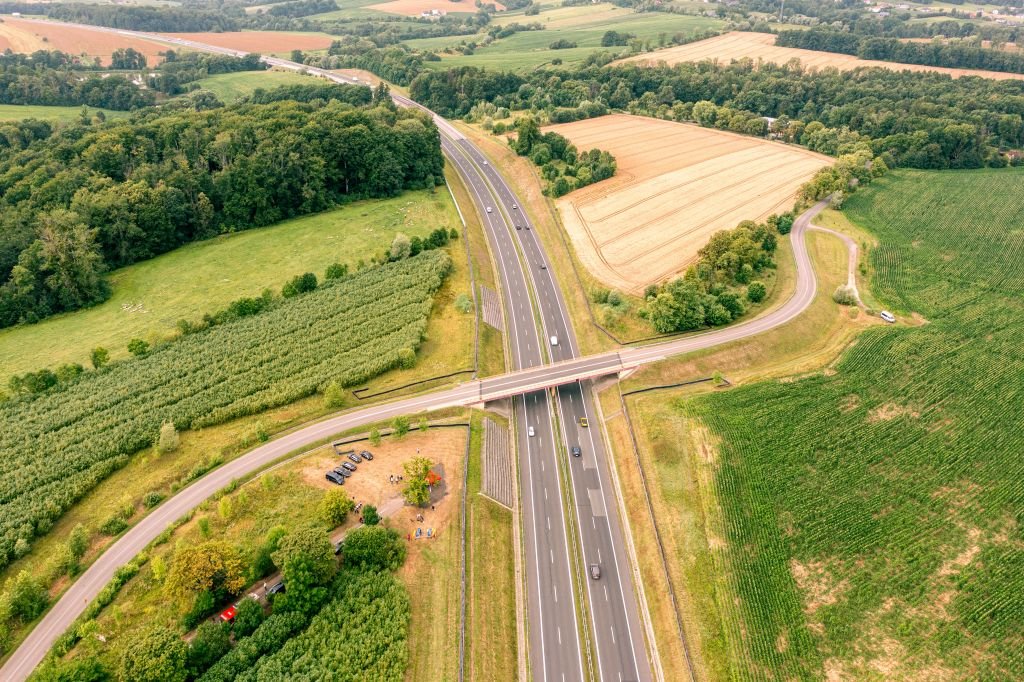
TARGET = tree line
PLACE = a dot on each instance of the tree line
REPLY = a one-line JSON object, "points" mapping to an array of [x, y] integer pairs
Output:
{"points": [[83, 201], [397, 64], [919, 120], [155, 19], [713, 290], [46, 78], [951, 55], [561, 164]]}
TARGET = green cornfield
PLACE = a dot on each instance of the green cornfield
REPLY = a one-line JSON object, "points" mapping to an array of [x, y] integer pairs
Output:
{"points": [[874, 516], [55, 446]]}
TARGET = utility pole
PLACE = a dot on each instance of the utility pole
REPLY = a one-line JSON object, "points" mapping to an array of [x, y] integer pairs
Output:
{"points": [[781, 7]]}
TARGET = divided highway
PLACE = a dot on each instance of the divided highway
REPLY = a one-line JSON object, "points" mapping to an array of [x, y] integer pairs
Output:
{"points": [[556, 651]]}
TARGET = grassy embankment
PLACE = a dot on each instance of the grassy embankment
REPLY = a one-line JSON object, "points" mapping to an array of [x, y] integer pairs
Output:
{"points": [[861, 520]]}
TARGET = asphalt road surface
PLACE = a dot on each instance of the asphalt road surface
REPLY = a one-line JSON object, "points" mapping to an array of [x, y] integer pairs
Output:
{"points": [[618, 642]]}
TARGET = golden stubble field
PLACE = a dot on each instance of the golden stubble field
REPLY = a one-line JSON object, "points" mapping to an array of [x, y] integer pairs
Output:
{"points": [[739, 45], [675, 186], [27, 36]]}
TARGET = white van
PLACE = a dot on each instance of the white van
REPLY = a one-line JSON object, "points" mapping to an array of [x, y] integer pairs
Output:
{"points": [[887, 316], [554, 340]]}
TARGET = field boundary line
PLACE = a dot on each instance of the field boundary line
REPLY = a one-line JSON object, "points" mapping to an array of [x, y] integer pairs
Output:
{"points": [[680, 630]]}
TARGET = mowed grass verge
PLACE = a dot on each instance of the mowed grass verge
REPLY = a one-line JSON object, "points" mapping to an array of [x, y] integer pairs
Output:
{"points": [[490, 577], [150, 297], [863, 522]]}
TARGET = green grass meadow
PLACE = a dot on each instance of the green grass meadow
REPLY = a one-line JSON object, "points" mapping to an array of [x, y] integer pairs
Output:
{"points": [[150, 297], [865, 522], [17, 112], [231, 87]]}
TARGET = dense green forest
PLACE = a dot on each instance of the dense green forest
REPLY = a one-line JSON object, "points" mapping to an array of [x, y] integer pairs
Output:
{"points": [[919, 120], [84, 199], [953, 55], [46, 78]]}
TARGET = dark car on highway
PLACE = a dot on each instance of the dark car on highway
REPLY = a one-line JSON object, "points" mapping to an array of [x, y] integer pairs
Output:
{"points": [[576, 452], [334, 478]]}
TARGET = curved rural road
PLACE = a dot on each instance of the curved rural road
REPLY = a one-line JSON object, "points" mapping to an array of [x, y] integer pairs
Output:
{"points": [[74, 601]]}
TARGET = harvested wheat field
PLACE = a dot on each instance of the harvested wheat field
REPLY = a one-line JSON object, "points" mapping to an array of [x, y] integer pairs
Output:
{"points": [[675, 186], [264, 42], [29, 35], [738, 45], [413, 8]]}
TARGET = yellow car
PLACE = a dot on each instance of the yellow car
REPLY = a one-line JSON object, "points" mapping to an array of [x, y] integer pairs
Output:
{"points": [[583, 422]]}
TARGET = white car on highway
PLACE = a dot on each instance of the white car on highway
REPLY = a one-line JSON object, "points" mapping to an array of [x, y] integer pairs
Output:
{"points": [[529, 431], [489, 209]]}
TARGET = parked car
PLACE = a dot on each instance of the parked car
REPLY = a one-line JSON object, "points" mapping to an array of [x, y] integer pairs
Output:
{"points": [[349, 465], [583, 422], [337, 547], [334, 478], [278, 587], [342, 471], [366, 454], [530, 431], [576, 452], [595, 571], [887, 316], [354, 457], [228, 614]]}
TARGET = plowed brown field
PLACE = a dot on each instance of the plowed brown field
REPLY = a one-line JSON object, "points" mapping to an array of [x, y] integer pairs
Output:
{"points": [[26, 35], [264, 42], [737, 45], [675, 186], [413, 8]]}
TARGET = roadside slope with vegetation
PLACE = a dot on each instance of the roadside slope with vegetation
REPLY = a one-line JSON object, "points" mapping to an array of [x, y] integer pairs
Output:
{"points": [[866, 518]]}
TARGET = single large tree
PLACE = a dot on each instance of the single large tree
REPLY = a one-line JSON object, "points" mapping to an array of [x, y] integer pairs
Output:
{"points": [[209, 567]]}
